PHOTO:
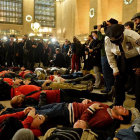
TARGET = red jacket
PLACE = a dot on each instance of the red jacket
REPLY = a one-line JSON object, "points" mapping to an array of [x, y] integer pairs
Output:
{"points": [[23, 89], [2, 73], [26, 123], [53, 96], [100, 119], [9, 81]]}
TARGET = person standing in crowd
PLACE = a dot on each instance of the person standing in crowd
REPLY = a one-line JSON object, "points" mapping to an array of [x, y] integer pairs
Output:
{"points": [[39, 53], [76, 47], [107, 71], [11, 48], [65, 49], [26, 51], [136, 19], [95, 52], [32, 54], [123, 56], [20, 47], [2, 54]]}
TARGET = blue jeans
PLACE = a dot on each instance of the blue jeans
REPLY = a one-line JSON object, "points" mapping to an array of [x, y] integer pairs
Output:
{"points": [[107, 73], [57, 112]]}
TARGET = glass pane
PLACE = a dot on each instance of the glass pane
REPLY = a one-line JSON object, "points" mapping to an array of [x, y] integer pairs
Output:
{"points": [[45, 12], [11, 11]]}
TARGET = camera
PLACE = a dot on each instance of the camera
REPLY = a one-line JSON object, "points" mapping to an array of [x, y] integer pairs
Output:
{"points": [[103, 25]]}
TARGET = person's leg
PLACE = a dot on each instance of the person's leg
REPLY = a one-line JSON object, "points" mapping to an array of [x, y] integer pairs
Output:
{"points": [[57, 112], [77, 63], [107, 73], [97, 76], [84, 78], [119, 85], [73, 62], [71, 95]]}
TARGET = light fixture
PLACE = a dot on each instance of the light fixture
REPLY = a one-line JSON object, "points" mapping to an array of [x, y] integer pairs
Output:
{"points": [[91, 12], [5, 38], [35, 27], [28, 18]]}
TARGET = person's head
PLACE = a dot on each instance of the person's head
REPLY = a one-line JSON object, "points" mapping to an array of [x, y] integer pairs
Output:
{"points": [[136, 18], [38, 121], [66, 42], [25, 37], [75, 40], [94, 34], [115, 33], [90, 37], [23, 134], [112, 21], [81, 124], [12, 39], [57, 50], [129, 25], [17, 101], [17, 81], [121, 113]]}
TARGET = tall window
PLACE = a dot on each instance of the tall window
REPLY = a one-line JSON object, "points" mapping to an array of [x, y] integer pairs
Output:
{"points": [[45, 12], [11, 11]]}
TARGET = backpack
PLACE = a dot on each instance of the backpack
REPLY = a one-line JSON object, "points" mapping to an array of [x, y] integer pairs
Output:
{"points": [[87, 134]]}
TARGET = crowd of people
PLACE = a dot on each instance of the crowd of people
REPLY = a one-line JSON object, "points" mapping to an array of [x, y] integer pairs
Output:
{"points": [[42, 100]]}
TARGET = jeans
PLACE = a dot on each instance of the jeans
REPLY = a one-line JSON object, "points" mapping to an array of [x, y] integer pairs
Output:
{"points": [[58, 113], [107, 73]]}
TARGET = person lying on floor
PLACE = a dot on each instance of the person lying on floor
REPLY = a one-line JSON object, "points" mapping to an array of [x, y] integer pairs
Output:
{"points": [[33, 121], [8, 74], [43, 97], [96, 114], [89, 78], [26, 73]]}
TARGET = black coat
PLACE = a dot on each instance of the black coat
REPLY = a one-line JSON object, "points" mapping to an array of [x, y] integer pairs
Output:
{"points": [[59, 60]]}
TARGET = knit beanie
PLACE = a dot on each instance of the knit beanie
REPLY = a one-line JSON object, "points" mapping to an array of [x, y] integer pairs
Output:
{"points": [[23, 134]]}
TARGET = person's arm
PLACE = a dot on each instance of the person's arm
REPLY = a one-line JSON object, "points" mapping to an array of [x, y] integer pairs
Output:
{"points": [[18, 115], [27, 122], [90, 111], [110, 56], [86, 101]]}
